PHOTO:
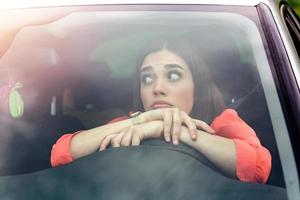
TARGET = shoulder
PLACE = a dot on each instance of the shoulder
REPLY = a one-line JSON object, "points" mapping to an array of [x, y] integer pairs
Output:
{"points": [[228, 115]]}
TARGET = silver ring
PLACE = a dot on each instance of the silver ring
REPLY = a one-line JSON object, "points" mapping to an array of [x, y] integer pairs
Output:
{"points": [[135, 118]]}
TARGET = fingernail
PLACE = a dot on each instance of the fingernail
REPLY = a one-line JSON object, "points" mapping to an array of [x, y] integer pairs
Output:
{"points": [[175, 142]]}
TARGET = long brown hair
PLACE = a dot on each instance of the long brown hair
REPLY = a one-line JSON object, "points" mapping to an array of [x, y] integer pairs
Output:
{"points": [[208, 100]]}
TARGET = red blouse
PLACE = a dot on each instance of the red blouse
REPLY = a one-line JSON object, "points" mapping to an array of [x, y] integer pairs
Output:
{"points": [[253, 162]]}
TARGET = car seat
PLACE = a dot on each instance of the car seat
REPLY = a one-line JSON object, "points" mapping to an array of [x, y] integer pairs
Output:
{"points": [[98, 97]]}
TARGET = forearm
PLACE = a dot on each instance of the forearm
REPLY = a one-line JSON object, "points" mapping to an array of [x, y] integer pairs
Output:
{"points": [[219, 150], [88, 142]]}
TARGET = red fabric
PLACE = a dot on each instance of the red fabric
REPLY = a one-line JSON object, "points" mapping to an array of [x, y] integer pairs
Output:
{"points": [[253, 160], [60, 153]]}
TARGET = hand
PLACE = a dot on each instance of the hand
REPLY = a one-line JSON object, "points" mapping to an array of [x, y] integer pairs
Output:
{"points": [[133, 135], [173, 118]]}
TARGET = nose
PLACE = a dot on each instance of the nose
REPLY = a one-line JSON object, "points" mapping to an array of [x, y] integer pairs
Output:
{"points": [[159, 88]]}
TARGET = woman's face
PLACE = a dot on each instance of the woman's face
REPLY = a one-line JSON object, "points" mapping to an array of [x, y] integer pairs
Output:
{"points": [[166, 81]]}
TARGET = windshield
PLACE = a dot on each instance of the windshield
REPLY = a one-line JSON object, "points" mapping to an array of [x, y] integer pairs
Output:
{"points": [[79, 71]]}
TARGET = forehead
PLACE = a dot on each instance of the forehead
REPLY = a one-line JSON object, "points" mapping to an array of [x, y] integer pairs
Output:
{"points": [[163, 57]]}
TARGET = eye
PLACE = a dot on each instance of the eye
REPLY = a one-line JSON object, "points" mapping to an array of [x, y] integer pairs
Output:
{"points": [[174, 75], [147, 79]]}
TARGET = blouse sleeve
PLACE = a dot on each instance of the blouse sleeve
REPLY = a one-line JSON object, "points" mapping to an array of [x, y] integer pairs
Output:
{"points": [[253, 160], [60, 153]]}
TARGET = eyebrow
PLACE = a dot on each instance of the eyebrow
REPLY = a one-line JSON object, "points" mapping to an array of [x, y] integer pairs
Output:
{"points": [[147, 68], [168, 66], [172, 66]]}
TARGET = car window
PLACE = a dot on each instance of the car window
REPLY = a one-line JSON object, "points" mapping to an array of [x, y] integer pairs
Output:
{"points": [[78, 72]]}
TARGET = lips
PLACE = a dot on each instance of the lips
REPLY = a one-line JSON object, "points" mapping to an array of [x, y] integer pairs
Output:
{"points": [[161, 104]]}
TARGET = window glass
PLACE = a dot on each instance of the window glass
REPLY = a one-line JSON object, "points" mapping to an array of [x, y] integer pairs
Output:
{"points": [[79, 72]]}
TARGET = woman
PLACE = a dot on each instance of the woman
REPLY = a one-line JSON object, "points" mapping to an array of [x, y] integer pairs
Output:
{"points": [[177, 95]]}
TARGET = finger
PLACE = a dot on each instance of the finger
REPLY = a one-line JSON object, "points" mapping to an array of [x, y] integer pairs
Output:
{"points": [[167, 124], [136, 140], [176, 125], [189, 122], [115, 142], [204, 126], [126, 139], [106, 141]]}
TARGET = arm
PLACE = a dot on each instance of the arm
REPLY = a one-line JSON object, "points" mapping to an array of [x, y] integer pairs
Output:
{"points": [[88, 142], [73, 146], [219, 150], [252, 160]]}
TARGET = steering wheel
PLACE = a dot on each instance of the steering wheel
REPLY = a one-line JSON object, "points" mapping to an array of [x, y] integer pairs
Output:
{"points": [[150, 171]]}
